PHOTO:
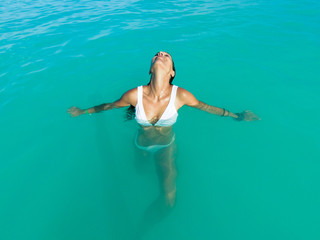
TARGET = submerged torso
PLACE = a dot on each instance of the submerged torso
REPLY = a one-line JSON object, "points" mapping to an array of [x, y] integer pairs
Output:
{"points": [[154, 135]]}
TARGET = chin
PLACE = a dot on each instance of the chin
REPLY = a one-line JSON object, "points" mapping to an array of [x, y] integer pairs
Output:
{"points": [[158, 64]]}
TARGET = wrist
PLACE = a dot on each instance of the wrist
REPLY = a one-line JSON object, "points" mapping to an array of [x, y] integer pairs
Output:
{"points": [[240, 116], [223, 112]]}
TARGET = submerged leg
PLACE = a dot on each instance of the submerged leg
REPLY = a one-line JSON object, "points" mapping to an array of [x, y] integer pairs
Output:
{"points": [[163, 205], [167, 173]]}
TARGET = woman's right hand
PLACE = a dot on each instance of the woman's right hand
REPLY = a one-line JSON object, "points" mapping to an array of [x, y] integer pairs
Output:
{"points": [[75, 111]]}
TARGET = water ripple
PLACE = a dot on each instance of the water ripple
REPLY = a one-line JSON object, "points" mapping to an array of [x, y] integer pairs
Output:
{"points": [[54, 14], [3, 74], [28, 63], [58, 45], [101, 34], [36, 71], [7, 47]]}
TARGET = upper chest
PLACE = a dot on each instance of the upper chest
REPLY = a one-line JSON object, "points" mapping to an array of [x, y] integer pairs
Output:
{"points": [[154, 108]]}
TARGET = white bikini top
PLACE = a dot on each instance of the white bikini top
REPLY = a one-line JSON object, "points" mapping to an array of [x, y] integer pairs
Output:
{"points": [[169, 116]]}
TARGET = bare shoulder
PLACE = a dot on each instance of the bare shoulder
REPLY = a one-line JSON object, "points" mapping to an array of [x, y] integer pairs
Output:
{"points": [[185, 97], [131, 93], [128, 98], [181, 91]]}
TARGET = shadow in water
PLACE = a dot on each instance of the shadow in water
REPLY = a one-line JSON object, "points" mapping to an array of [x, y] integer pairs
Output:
{"points": [[119, 224]]}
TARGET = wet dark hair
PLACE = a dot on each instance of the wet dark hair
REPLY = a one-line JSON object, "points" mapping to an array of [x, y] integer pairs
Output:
{"points": [[131, 111]]}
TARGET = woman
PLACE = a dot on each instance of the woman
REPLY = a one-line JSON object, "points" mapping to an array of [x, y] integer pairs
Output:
{"points": [[156, 106]]}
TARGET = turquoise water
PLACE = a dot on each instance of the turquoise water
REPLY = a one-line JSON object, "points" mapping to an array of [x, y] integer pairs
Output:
{"points": [[76, 178]]}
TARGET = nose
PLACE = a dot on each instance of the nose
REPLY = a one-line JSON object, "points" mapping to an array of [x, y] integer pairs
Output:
{"points": [[160, 53]]}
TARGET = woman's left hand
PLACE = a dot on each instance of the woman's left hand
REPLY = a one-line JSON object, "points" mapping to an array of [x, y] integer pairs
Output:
{"points": [[247, 116]]}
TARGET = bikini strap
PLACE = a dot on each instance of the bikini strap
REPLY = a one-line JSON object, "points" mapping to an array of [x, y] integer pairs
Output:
{"points": [[140, 92], [173, 94]]}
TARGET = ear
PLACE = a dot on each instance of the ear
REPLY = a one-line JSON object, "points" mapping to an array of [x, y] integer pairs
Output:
{"points": [[173, 73]]}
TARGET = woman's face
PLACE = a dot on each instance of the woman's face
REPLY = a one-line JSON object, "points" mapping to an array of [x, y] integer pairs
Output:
{"points": [[162, 60]]}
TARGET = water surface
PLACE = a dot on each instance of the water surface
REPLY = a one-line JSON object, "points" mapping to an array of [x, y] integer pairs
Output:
{"points": [[75, 178]]}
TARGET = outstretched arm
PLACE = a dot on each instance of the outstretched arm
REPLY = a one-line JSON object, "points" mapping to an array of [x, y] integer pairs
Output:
{"points": [[215, 110], [127, 99], [187, 98]]}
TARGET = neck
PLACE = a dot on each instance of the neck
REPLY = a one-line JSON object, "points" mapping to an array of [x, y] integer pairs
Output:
{"points": [[159, 84]]}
